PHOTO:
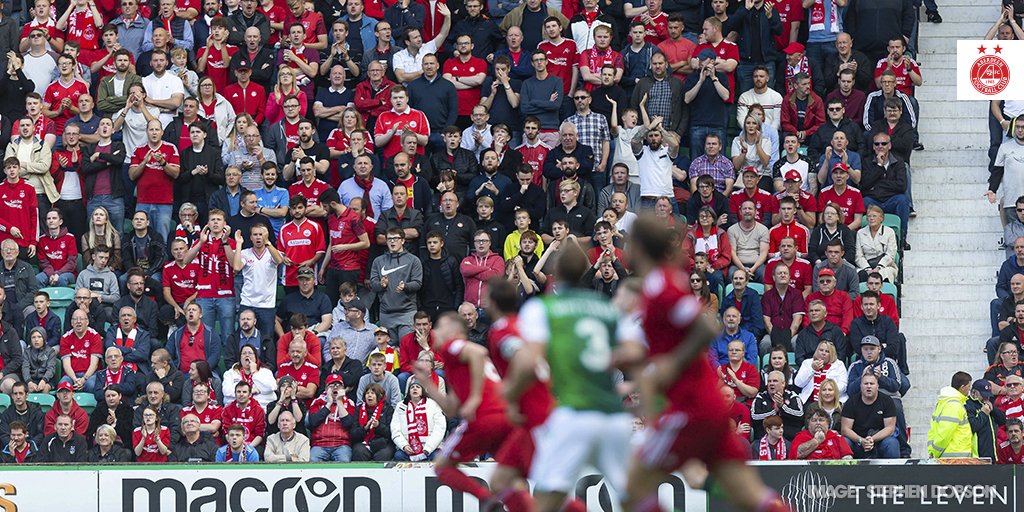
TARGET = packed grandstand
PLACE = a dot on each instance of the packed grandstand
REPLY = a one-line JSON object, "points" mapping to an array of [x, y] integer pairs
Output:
{"points": [[293, 231]]}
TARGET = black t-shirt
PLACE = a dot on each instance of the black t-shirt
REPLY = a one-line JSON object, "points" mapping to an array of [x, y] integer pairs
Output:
{"points": [[801, 111], [317, 152], [868, 419]]}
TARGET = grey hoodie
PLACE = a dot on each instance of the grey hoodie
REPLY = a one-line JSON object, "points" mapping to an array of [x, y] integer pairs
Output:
{"points": [[397, 308], [103, 282]]}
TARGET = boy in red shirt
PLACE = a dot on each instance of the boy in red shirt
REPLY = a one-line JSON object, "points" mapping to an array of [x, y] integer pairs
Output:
{"points": [[58, 253]]}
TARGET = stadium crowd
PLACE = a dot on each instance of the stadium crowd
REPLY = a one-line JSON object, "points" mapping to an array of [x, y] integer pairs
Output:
{"points": [[257, 209]]}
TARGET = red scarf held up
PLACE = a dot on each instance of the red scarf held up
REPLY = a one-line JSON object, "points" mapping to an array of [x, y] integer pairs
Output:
{"points": [[819, 377], [419, 427], [366, 185], [364, 419]]}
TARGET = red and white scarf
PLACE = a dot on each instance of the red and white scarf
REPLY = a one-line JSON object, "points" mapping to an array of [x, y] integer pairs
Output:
{"points": [[706, 242], [419, 427], [129, 342], [113, 377], [818, 17], [819, 377], [792, 71], [365, 417], [764, 449]]}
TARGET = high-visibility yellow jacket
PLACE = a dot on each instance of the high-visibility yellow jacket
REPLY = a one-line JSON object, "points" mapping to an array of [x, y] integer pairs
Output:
{"points": [[950, 432]]}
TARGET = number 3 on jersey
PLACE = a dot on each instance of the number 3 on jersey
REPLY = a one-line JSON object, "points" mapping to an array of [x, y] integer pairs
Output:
{"points": [[597, 355]]}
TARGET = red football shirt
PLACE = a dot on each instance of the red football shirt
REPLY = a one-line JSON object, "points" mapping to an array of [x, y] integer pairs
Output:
{"points": [[80, 350], [150, 451], [82, 28], [56, 92], [304, 375], [790, 12], [182, 281], [311, 192], [807, 202], [299, 242], [154, 186], [534, 156], [903, 82], [277, 14], [411, 119], [834, 447], [468, 98], [211, 413], [21, 210], [458, 378], [594, 59], [851, 201], [345, 229], [797, 231], [657, 30], [503, 340], [252, 417], [561, 60], [216, 277], [801, 273], [764, 203], [216, 66], [747, 373]]}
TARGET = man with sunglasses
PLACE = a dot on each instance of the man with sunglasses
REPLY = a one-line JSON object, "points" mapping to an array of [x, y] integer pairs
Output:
{"points": [[883, 182], [131, 27]]}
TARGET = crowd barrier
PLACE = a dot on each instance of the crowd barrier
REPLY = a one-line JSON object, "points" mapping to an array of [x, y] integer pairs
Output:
{"points": [[898, 486]]}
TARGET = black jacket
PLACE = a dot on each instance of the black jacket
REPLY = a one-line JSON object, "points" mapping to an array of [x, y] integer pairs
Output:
{"points": [[124, 427], [383, 431], [820, 238], [863, 79], [33, 418], [75, 449], [742, 21], [231, 348], [98, 319], [464, 165], [512, 199], [203, 450], [584, 155], [482, 30], [198, 188], [117, 455], [883, 328], [112, 162], [872, 23], [14, 92], [807, 342], [239, 24], [984, 426], [447, 271], [422, 198], [263, 66], [351, 370], [881, 183], [901, 139], [10, 350], [457, 232], [155, 250], [173, 383], [33, 455], [823, 137]]}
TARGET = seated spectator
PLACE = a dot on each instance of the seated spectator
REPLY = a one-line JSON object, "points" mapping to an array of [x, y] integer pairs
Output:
{"points": [[29, 414], [247, 334], [249, 369], [338, 363], [772, 445], [39, 363], [21, 449], [877, 247], [371, 435], [64, 444], [819, 441], [417, 426], [200, 373], [708, 238], [783, 311], [194, 445], [143, 307], [244, 410], [330, 422], [778, 401], [57, 252], [298, 367], [837, 302], [167, 375], [169, 413], [883, 183], [43, 319], [739, 414], [836, 122], [818, 330], [893, 343], [99, 278], [287, 400], [379, 376], [778, 361], [195, 341], [298, 332], [1007, 363], [833, 226], [748, 238], [116, 373], [738, 373], [151, 441], [80, 353], [207, 410], [886, 305], [131, 340], [751, 149], [708, 197], [787, 227], [237, 449], [106, 448], [748, 302], [286, 445], [869, 422], [806, 204], [733, 331], [824, 365], [828, 400]]}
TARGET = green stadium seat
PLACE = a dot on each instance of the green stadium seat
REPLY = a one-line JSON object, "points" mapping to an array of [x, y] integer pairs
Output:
{"points": [[86, 401], [45, 400], [60, 296], [887, 289], [5, 402], [790, 355], [757, 287]]}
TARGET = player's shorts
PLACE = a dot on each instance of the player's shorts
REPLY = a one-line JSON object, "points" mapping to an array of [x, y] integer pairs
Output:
{"points": [[570, 439], [517, 451], [470, 440], [678, 436]]}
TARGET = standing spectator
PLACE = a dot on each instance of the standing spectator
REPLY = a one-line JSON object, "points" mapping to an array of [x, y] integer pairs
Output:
{"points": [[330, 422], [479, 267], [60, 101], [846, 58], [57, 253], [244, 95], [22, 218], [456, 228], [195, 341], [39, 61], [215, 287], [347, 237], [757, 27], [34, 159], [591, 60], [593, 131], [783, 311], [466, 72], [154, 167], [311, 306], [874, 24], [163, 90], [541, 96], [708, 94], [636, 56], [442, 288], [397, 292]]}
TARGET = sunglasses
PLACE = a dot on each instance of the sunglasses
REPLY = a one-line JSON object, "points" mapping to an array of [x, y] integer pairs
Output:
{"points": [[881, 144]]}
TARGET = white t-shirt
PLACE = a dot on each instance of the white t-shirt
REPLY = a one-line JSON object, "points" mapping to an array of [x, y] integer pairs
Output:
{"points": [[260, 273], [162, 88], [39, 70], [655, 172], [408, 63], [624, 152]]}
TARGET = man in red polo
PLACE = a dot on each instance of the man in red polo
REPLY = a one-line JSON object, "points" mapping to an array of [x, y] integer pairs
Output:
{"points": [[788, 227], [847, 198]]}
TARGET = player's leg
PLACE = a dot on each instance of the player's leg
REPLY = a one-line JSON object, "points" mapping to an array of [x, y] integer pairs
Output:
{"points": [[744, 488], [652, 463], [455, 448], [562, 446], [508, 482]]}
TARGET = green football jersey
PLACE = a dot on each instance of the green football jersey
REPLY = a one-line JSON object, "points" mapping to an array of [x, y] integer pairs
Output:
{"points": [[582, 329]]}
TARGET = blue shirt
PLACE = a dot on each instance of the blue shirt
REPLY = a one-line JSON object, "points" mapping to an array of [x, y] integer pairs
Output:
{"points": [[233, 200], [273, 198], [853, 161], [329, 97], [380, 195], [719, 349], [250, 455]]}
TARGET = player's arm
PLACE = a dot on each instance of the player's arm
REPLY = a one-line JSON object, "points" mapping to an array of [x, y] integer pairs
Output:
{"points": [[476, 357], [520, 370], [449, 403]]}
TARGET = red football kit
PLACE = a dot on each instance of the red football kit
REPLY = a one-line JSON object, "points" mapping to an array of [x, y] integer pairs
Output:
{"points": [[345, 229], [150, 450], [182, 281], [851, 201], [657, 30], [299, 242], [216, 276], [81, 350], [806, 201], [154, 186], [55, 94], [834, 447], [411, 119], [696, 422], [1006, 455], [490, 428], [21, 210], [252, 417], [212, 412], [82, 28], [764, 203], [307, 373], [311, 192], [216, 66], [468, 98], [797, 231], [903, 82], [801, 273], [534, 156], [561, 60]]}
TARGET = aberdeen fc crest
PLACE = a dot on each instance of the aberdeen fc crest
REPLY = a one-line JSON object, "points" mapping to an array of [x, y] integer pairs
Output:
{"points": [[990, 74]]}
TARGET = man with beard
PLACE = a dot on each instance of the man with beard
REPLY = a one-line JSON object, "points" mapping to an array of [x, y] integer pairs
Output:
{"points": [[570, 173], [418, 194], [308, 146], [661, 148], [456, 229], [283, 135], [163, 90], [489, 183], [402, 216], [271, 200]]}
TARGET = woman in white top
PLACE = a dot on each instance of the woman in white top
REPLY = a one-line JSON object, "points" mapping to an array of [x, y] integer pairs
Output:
{"points": [[814, 371], [876, 247], [752, 149], [417, 426], [248, 368]]}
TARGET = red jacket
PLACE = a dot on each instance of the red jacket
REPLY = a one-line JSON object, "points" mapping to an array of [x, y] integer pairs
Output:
{"points": [[721, 260], [20, 206], [313, 354], [839, 307], [251, 100], [408, 351], [372, 103], [59, 254], [814, 118], [79, 419], [74, 164], [476, 270]]}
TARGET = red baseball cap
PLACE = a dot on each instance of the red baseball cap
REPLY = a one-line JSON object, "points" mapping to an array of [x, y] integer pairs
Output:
{"points": [[826, 272], [793, 175], [839, 166], [65, 386], [793, 47]]}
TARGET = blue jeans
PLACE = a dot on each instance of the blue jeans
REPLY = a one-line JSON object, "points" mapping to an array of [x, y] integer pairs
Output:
{"points": [[697, 136], [888, 448], [114, 206], [817, 54], [219, 309], [330, 454], [898, 205], [159, 217], [63, 279], [88, 387]]}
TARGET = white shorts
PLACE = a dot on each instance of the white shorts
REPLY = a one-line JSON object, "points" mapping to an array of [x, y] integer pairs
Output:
{"points": [[570, 439]]}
